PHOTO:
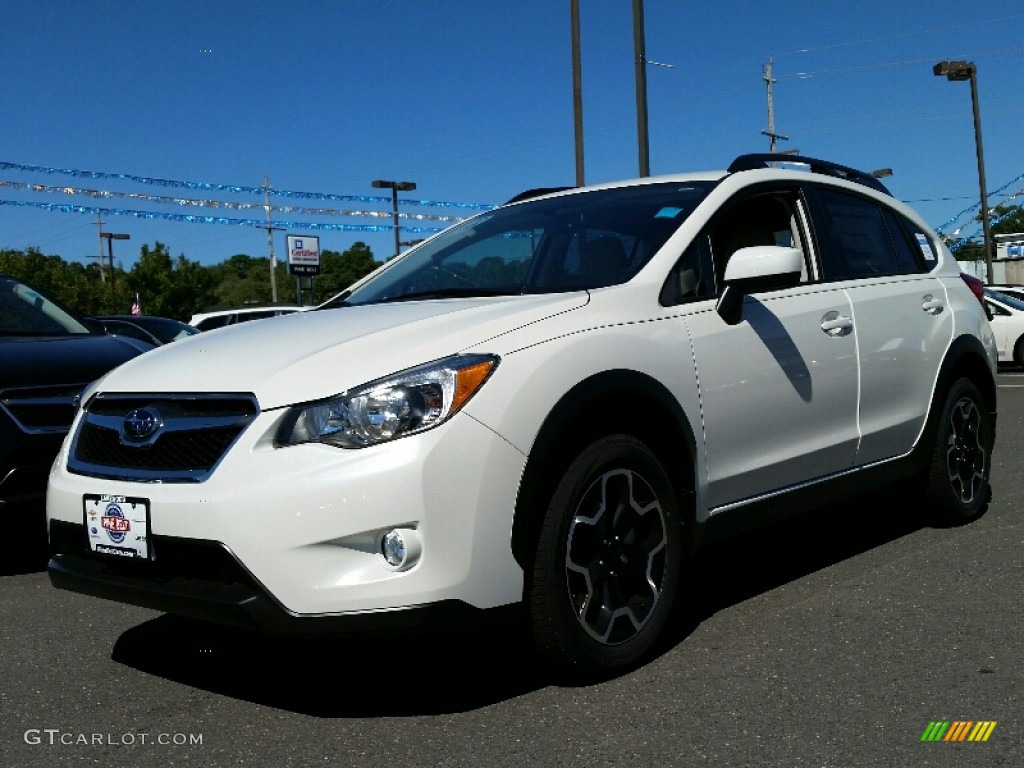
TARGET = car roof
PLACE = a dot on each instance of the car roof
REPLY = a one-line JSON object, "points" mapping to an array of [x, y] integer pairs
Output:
{"points": [[751, 162]]}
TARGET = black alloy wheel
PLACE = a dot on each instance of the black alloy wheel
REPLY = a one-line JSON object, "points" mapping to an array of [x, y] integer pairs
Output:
{"points": [[608, 558], [958, 484]]}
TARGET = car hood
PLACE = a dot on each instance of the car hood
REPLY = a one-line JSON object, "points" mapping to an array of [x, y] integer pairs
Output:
{"points": [[311, 355], [55, 360]]}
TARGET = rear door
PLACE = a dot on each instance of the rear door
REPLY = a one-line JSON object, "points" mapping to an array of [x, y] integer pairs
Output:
{"points": [[903, 322]]}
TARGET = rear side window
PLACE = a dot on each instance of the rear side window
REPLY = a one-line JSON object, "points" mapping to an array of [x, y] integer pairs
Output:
{"points": [[853, 237], [914, 249]]}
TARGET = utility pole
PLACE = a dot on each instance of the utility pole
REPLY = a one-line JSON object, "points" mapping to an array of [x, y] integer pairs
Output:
{"points": [[270, 239], [773, 137], [99, 256], [110, 237]]}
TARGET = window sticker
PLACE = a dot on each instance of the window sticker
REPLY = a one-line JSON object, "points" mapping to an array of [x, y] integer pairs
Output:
{"points": [[926, 247], [668, 213]]}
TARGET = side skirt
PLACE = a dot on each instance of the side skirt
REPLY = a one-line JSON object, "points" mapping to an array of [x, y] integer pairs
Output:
{"points": [[752, 514]]}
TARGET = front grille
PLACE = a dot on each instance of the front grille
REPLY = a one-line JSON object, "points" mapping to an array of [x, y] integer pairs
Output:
{"points": [[42, 410], [194, 433], [179, 451]]}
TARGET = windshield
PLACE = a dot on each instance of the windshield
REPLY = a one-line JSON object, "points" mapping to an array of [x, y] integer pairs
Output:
{"points": [[1010, 301], [567, 243], [26, 312]]}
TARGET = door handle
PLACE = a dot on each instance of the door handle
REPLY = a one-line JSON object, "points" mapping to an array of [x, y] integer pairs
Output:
{"points": [[931, 305], [835, 324]]}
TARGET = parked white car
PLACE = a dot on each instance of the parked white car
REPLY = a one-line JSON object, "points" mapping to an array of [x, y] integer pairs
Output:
{"points": [[1006, 313], [207, 321], [546, 408], [1013, 291]]}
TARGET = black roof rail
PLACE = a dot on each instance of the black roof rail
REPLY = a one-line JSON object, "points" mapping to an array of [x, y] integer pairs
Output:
{"points": [[535, 193], [765, 159]]}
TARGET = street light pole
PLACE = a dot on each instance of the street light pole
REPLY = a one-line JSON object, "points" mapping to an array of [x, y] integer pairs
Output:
{"points": [[966, 70], [110, 237], [395, 187]]}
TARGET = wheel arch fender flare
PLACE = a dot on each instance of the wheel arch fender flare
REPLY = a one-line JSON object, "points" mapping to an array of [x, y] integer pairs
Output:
{"points": [[593, 408], [965, 357]]}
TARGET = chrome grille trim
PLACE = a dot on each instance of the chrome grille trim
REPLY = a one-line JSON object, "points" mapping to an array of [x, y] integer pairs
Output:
{"points": [[42, 410], [196, 433]]}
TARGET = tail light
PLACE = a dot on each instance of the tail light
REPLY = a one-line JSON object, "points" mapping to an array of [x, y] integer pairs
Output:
{"points": [[977, 287]]}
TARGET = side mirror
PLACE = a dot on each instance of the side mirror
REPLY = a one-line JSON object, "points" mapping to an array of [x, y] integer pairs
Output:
{"points": [[757, 268]]}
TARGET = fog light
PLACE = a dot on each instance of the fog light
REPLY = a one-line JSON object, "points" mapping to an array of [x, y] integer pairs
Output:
{"points": [[400, 548]]}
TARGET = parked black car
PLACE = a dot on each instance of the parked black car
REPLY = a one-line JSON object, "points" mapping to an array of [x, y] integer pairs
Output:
{"points": [[150, 328], [48, 354]]}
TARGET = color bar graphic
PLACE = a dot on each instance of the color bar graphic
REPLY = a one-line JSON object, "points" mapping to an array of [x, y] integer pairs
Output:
{"points": [[958, 730]]}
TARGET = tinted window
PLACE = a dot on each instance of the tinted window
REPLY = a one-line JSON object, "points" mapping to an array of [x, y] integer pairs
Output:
{"points": [[209, 323], [765, 218], [242, 317], [914, 249], [693, 276], [852, 236]]}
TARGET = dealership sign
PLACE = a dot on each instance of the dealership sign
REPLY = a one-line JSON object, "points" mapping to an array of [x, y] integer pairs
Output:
{"points": [[303, 255]]}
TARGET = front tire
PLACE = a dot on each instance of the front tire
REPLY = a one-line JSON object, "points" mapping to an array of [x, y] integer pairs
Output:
{"points": [[958, 480], [608, 559]]}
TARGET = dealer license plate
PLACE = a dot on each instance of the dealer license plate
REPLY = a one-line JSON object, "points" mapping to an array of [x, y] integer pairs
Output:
{"points": [[118, 526]]}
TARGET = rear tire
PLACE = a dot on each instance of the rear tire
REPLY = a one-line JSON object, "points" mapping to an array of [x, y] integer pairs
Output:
{"points": [[608, 560], [1018, 352], [958, 480]]}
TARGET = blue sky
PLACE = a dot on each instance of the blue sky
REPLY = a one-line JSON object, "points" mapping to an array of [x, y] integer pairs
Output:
{"points": [[472, 100]]}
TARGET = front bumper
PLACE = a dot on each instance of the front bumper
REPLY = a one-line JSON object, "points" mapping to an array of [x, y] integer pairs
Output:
{"points": [[203, 580], [277, 537]]}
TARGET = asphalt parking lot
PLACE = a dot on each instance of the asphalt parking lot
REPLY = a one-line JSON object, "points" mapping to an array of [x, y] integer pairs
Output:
{"points": [[830, 641]]}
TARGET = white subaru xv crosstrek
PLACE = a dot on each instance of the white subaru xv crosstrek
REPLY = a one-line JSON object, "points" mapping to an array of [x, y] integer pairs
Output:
{"points": [[546, 407]]}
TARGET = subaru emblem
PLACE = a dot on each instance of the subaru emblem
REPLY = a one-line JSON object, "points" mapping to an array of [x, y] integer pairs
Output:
{"points": [[142, 423]]}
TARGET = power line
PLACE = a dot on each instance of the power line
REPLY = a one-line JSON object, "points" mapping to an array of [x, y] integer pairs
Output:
{"points": [[888, 65], [904, 35]]}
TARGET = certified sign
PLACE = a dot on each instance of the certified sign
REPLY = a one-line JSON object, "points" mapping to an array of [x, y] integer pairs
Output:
{"points": [[303, 255]]}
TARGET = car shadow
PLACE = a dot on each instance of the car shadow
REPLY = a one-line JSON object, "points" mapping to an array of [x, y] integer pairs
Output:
{"points": [[446, 672], [740, 568], [418, 673]]}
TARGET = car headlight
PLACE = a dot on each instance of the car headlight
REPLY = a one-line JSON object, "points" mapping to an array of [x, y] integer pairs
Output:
{"points": [[403, 404]]}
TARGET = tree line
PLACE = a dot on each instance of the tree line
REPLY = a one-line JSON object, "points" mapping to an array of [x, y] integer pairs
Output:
{"points": [[178, 288], [1011, 222]]}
